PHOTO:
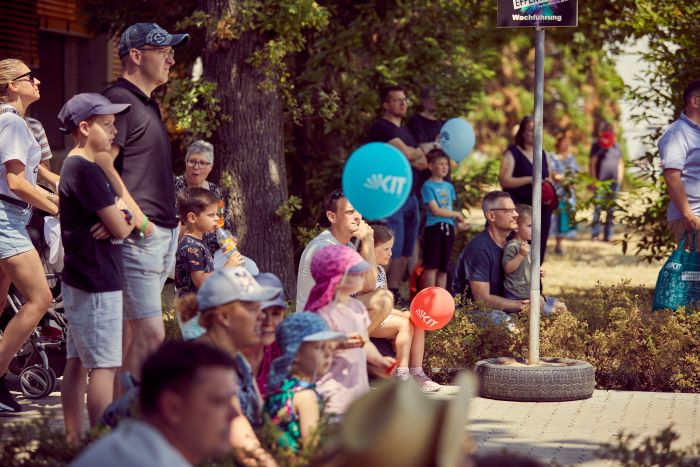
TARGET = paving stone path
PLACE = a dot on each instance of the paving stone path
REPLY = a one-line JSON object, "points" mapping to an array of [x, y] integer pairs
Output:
{"points": [[565, 433]]}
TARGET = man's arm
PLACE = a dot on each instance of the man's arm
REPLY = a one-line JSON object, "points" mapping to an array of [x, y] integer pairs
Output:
{"points": [[481, 291], [106, 162], [676, 191], [366, 236], [415, 156]]}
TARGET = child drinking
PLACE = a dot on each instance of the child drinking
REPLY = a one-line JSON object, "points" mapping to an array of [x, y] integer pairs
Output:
{"points": [[409, 342], [517, 263], [294, 404], [198, 210], [338, 272]]}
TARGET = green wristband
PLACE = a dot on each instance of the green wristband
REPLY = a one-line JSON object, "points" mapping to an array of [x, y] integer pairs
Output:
{"points": [[144, 224]]}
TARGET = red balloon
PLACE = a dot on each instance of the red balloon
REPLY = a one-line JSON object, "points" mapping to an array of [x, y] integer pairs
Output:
{"points": [[432, 308]]}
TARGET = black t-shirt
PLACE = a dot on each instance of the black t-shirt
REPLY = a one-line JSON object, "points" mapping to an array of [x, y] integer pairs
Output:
{"points": [[480, 261], [383, 131], [425, 130], [89, 264], [145, 160]]}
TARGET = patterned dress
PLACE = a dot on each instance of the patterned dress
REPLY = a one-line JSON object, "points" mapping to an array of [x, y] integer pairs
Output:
{"points": [[279, 408]]}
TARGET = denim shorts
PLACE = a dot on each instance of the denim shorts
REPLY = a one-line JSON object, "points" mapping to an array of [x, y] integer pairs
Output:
{"points": [[14, 238], [94, 327], [147, 263], [405, 223]]}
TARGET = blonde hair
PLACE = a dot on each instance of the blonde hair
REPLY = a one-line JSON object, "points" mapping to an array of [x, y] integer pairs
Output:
{"points": [[186, 307], [9, 69]]}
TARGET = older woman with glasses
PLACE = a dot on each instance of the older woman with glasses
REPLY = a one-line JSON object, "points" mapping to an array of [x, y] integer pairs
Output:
{"points": [[199, 160], [20, 156]]}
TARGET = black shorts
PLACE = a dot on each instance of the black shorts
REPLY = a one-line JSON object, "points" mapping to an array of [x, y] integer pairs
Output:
{"points": [[437, 246]]}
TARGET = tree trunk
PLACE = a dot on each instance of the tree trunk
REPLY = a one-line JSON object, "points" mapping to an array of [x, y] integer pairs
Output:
{"points": [[250, 149]]}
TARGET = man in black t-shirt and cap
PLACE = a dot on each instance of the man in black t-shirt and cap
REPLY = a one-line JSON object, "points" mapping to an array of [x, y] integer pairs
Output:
{"points": [[141, 165], [406, 221]]}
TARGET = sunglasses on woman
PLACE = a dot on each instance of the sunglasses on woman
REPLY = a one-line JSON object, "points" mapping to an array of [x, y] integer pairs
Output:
{"points": [[29, 77]]}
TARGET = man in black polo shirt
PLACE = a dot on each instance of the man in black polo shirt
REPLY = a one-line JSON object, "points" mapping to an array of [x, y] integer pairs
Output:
{"points": [[142, 159], [406, 221]]}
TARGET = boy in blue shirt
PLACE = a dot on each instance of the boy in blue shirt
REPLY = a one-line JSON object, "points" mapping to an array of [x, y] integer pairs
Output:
{"points": [[439, 234]]}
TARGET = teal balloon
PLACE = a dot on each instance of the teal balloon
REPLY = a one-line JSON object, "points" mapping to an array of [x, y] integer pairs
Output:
{"points": [[377, 180], [457, 138]]}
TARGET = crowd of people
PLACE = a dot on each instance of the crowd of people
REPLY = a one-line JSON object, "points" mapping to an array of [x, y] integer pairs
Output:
{"points": [[127, 225]]}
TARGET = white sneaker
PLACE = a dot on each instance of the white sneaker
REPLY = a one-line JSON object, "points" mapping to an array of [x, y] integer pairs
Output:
{"points": [[427, 384]]}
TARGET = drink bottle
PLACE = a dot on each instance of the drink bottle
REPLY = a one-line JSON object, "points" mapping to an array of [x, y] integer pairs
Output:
{"points": [[227, 241]]}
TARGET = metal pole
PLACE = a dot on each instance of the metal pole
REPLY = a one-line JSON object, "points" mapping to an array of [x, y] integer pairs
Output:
{"points": [[534, 357]]}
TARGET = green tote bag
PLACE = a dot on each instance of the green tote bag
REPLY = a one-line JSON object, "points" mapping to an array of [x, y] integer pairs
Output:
{"points": [[678, 283]]}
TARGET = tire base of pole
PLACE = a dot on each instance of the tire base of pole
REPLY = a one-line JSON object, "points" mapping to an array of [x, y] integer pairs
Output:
{"points": [[552, 380]]}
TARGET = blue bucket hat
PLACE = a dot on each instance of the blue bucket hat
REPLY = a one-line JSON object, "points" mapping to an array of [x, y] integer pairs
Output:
{"points": [[140, 34], [85, 105], [301, 327], [267, 279]]}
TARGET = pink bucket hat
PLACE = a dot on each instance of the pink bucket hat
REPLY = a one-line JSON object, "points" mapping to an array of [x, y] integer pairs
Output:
{"points": [[328, 267]]}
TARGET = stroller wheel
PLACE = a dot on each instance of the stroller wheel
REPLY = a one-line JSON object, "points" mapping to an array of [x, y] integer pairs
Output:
{"points": [[37, 382]]}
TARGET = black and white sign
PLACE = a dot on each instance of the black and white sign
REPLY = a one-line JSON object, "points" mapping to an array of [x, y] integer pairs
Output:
{"points": [[544, 13]]}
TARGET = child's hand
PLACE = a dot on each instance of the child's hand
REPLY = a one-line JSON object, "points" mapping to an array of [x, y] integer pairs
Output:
{"points": [[389, 364], [464, 225], [459, 217], [235, 260], [353, 341], [543, 273], [524, 249]]}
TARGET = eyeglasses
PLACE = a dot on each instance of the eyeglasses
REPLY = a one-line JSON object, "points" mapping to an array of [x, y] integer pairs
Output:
{"points": [[399, 101], [29, 75], [198, 164], [167, 53], [506, 210]]}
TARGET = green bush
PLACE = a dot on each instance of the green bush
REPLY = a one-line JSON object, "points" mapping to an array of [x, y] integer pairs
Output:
{"points": [[652, 451], [611, 327]]}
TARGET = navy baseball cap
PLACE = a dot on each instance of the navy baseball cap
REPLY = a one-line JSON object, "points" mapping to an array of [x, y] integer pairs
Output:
{"points": [[85, 105], [140, 34]]}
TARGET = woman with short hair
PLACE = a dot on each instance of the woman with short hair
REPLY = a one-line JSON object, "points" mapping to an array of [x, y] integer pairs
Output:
{"points": [[199, 161], [20, 156]]}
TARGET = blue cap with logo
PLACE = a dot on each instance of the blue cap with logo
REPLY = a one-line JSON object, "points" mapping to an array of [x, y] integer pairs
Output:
{"points": [[231, 284], [85, 105], [140, 34]]}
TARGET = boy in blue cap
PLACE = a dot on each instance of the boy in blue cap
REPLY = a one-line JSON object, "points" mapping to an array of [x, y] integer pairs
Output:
{"points": [[92, 285], [294, 404]]}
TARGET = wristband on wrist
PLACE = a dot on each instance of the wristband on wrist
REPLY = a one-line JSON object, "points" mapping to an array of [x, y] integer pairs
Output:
{"points": [[144, 224]]}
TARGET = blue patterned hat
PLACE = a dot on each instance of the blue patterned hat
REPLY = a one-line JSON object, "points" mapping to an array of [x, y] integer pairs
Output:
{"points": [[301, 327]]}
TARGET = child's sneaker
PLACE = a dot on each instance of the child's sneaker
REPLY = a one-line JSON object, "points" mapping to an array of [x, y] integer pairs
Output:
{"points": [[427, 384]]}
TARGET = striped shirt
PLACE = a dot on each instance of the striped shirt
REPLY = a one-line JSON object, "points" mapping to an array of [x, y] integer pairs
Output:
{"points": [[40, 136]]}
